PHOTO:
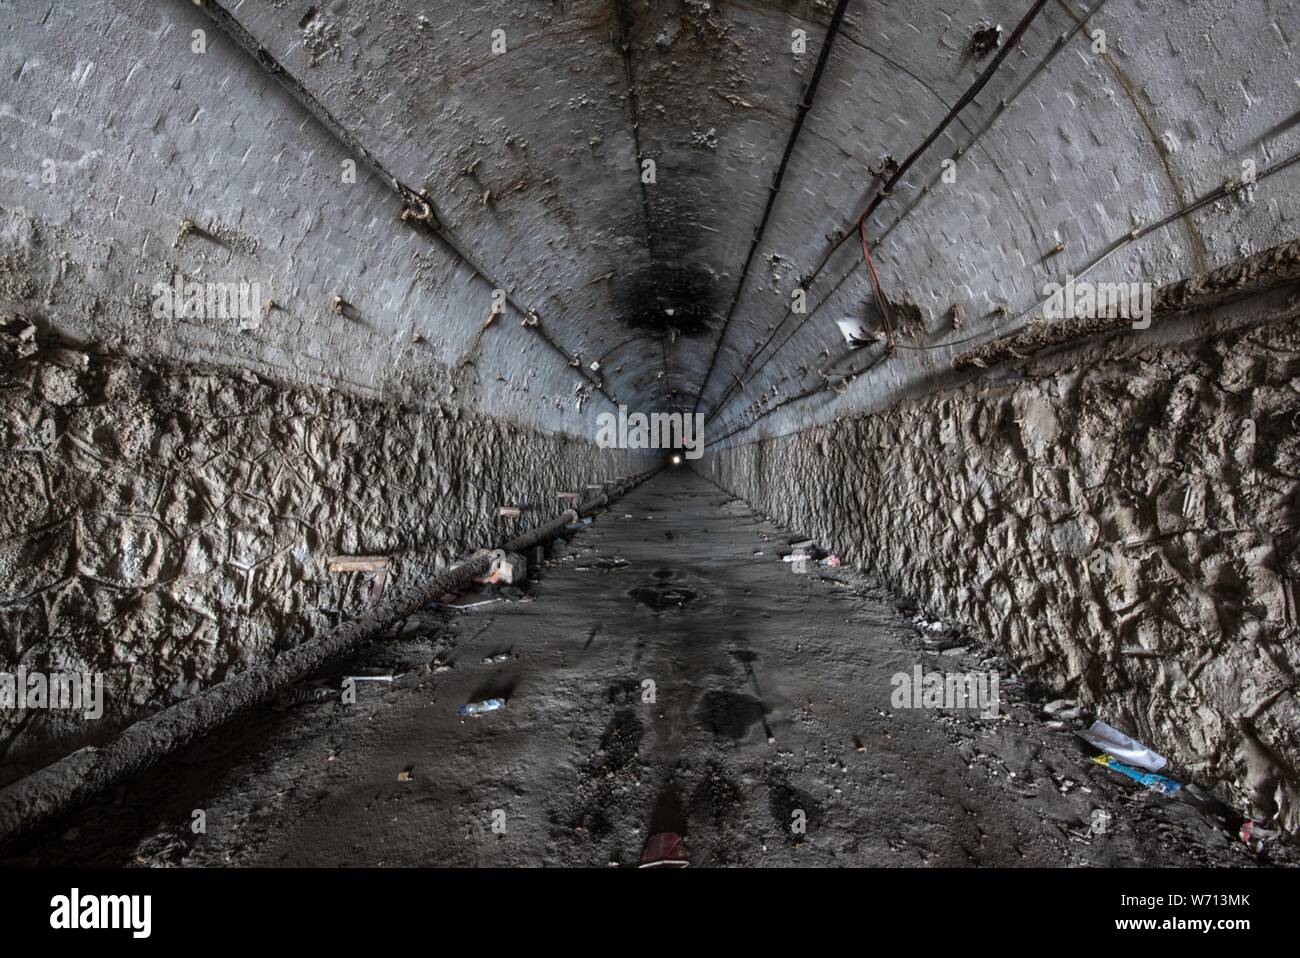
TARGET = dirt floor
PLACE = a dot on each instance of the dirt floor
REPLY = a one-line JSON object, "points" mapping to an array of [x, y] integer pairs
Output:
{"points": [[771, 708]]}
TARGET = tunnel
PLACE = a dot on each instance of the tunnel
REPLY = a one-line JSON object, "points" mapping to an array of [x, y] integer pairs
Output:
{"points": [[621, 434]]}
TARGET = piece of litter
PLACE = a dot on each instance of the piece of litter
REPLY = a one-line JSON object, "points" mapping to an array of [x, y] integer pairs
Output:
{"points": [[507, 568], [478, 708], [664, 850], [467, 606], [499, 657], [1254, 836], [1157, 783], [1112, 740], [855, 334]]}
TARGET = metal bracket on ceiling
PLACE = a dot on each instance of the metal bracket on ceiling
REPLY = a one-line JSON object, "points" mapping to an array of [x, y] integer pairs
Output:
{"points": [[417, 209]]}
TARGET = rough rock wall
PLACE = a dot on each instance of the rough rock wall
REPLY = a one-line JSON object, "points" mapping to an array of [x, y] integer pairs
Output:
{"points": [[165, 525], [1126, 531]]}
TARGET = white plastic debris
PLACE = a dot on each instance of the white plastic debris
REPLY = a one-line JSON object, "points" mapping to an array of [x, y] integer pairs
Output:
{"points": [[854, 333], [507, 568], [478, 708], [1126, 749], [468, 606]]}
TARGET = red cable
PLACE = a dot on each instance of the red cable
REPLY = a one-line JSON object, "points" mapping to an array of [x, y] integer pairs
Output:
{"points": [[875, 283]]}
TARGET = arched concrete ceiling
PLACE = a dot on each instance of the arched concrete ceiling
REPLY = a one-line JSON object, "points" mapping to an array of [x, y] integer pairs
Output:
{"points": [[532, 157]]}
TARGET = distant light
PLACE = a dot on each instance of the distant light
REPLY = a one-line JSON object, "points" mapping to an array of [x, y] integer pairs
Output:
{"points": [[677, 460]]}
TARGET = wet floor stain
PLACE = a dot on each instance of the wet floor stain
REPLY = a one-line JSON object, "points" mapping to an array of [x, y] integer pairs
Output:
{"points": [[716, 795], [661, 597], [792, 811], [621, 741], [729, 714]]}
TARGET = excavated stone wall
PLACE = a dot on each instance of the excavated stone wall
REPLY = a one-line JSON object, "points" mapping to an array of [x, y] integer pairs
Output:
{"points": [[1126, 531], [166, 525]]}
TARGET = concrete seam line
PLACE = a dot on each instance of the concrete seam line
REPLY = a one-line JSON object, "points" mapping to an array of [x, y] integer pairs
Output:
{"points": [[72, 780]]}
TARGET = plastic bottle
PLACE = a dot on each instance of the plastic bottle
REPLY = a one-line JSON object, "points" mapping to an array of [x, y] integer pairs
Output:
{"points": [[478, 708]]}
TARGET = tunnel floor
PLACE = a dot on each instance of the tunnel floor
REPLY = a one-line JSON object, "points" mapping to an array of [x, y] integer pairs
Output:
{"points": [[771, 710]]}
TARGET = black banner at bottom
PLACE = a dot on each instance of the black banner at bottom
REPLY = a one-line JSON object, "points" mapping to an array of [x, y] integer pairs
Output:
{"points": [[342, 908]]}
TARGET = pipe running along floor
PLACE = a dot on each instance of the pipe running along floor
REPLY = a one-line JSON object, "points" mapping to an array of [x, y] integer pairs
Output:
{"points": [[769, 739]]}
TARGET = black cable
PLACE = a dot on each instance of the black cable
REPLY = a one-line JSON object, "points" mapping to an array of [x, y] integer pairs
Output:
{"points": [[1220, 192], [805, 105], [1012, 41]]}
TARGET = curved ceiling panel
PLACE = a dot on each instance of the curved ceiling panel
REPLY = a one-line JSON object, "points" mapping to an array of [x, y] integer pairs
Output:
{"points": [[609, 164]]}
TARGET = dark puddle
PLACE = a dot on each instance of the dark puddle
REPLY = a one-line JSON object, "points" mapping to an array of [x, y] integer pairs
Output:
{"points": [[730, 714], [660, 597]]}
